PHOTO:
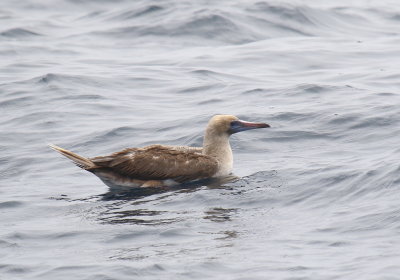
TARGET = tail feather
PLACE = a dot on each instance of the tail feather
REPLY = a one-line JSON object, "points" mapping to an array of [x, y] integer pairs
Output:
{"points": [[80, 161]]}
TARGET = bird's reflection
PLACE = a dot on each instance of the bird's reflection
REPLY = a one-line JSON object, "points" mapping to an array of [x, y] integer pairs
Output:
{"points": [[133, 206], [219, 214], [135, 216], [138, 193], [141, 206]]}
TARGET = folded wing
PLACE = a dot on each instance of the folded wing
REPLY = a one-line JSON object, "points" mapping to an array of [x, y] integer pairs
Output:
{"points": [[159, 162]]}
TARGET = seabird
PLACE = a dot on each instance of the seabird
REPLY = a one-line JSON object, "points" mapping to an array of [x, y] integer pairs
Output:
{"points": [[161, 165]]}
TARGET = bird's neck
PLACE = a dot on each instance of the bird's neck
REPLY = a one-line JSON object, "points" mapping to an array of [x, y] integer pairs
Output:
{"points": [[218, 147]]}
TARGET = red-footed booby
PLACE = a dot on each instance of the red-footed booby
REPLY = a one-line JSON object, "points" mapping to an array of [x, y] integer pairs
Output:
{"points": [[160, 165]]}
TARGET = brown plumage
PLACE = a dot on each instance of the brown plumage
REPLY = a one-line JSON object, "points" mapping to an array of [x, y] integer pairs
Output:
{"points": [[159, 165]]}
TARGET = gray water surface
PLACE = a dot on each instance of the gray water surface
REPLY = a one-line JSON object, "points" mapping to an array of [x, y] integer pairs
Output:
{"points": [[319, 192]]}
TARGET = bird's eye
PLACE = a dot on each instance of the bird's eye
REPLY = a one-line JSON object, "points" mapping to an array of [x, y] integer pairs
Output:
{"points": [[234, 127], [235, 123]]}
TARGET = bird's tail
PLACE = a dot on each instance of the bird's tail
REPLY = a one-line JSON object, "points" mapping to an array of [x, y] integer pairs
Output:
{"points": [[82, 162]]}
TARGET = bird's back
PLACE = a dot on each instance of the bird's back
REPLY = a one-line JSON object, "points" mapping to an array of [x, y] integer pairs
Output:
{"points": [[158, 162]]}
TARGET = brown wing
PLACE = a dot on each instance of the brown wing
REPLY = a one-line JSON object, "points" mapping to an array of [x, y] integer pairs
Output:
{"points": [[159, 162], [186, 148]]}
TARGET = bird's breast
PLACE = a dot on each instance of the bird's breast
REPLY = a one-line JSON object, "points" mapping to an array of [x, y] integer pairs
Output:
{"points": [[225, 166]]}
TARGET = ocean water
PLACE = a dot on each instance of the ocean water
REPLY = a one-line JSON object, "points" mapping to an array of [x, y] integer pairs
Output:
{"points": [[319, 192]]}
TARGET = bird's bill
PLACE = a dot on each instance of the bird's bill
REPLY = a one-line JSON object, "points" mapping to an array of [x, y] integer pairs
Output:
{"points": [[239, 125]]}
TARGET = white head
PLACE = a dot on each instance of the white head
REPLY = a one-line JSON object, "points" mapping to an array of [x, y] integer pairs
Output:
{"points": [[229, 124], [216, 139]]}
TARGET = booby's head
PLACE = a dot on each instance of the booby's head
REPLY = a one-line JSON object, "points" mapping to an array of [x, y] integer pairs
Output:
{"points": [[228, 125]]}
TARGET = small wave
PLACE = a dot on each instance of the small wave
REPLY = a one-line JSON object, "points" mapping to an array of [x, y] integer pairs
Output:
{"points": [[210, 101], [255, 91], [377, 122], [10, 204], [285, 12], [298, 135], [260, 179], [312, 88], [52, 78], [48, 78], [15, 269], [108, 136], [344, 119], [5, 244], [202, 88], [119, 131], [132, 14], [205, 24], [212, 26], [19, 33], [18, 101], [63, 79], [289, 116], [218, 76]]}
